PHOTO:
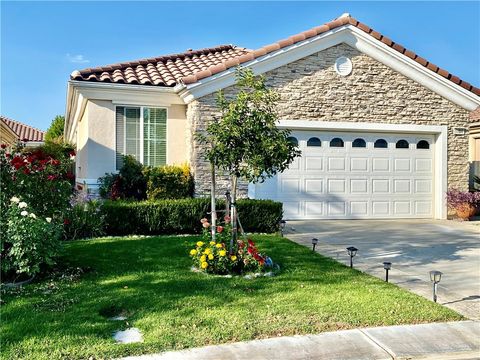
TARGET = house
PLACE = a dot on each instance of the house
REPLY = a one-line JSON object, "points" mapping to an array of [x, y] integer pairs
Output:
{"points": [[12, 132], [383, 132]]}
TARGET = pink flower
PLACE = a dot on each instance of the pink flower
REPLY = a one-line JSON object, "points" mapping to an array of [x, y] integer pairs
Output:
{"points": [[204, 220], [219, 229], [206, 225], [51, 177], [227, 219]]}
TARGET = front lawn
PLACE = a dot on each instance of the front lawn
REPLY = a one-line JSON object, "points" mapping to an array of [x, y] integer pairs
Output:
{"points": [[175, 308]]}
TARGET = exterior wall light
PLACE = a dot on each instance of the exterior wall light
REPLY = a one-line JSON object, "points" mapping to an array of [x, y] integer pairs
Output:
{"points": [[314, 243], [352, 251], [435, 277], [387, 265], [282, 224]]}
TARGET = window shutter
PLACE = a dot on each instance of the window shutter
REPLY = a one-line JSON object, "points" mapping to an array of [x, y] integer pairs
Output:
{"points": [[120, 136], [155, 136]]}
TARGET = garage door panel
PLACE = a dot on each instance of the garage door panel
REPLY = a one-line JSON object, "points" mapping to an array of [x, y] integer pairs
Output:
{"points": [[336, 186], [336, 164], [356, 182]]}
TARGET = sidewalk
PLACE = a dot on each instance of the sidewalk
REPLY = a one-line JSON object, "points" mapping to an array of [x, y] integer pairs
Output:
{"points": [[453, 340]]}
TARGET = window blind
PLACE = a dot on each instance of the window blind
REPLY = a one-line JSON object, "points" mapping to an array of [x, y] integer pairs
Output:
{"points": [[127, 134], [154, 136]]}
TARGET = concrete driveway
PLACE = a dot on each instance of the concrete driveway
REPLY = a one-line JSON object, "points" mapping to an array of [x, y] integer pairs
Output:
{"points": [[413, 246]]}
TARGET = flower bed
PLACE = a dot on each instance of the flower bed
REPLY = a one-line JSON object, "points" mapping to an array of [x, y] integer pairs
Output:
{"points": [[214, 257]]}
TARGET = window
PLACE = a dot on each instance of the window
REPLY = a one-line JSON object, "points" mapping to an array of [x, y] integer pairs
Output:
{"points": [[142, 133], [402, 144], [336, 142], [359, 143], [293, 140], [423, 144], [314, 141], [380, 144]]}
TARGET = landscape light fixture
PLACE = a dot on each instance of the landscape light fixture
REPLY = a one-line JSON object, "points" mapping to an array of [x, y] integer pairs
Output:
{"points": [[352, 251], [387, 265], [283, 223], [314, 243], [435, 277]]}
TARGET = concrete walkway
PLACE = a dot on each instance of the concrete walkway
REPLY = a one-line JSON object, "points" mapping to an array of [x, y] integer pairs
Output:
{"points": [[454, 340], [414, 247]]}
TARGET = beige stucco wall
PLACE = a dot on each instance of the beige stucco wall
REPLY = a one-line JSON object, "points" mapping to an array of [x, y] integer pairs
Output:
{"points": [[96, 139], [176, 139], [310, 89]]}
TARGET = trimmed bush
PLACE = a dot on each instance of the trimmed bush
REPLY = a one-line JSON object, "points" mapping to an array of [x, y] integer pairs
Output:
{"points": [[181, 216], [169, 182]]}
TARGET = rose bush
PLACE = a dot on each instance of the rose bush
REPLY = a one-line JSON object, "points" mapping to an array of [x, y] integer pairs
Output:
{"points": [[212, 256], [30, 241]]}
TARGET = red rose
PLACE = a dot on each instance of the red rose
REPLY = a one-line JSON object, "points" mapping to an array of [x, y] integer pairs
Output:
{"points": [[219, 229], [4, 146], [7, 155], [72, 153], [251, 251], [241, 244], [55, 162], [250, 243], [70, 175], [66, 222], [26, 171]]}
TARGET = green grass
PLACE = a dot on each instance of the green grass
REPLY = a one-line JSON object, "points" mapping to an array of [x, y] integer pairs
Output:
{"points": [[150, 279]]}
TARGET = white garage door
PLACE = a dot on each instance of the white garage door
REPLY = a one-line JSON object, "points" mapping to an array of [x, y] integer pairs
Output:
{"points": [[344, 175]]}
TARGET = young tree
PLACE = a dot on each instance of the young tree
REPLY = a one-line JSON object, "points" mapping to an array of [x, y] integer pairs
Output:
{"points": [[55, 131], [246, 142]]}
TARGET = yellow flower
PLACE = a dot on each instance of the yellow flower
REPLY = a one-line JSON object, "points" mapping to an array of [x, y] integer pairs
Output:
{"points": [[207, 251], [200, 243], [219, 246], [233, 257], [212, 243], [222, 252], [204, 265], [203, 258], [193, 252], [210, 257]]}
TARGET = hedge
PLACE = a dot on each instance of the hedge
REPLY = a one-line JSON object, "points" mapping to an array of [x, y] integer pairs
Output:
{"points": [[183, 216]]}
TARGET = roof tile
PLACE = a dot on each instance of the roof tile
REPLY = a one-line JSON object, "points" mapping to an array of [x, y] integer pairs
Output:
{"points": [[24, 131], [194, 65]]}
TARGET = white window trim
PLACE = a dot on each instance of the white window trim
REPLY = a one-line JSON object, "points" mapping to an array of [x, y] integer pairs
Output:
{"points": [[440, 149], [142, 107]]}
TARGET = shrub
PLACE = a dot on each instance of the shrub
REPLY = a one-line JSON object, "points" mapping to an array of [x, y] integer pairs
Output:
{"points": [[456, 198], [45, 182], [181, 216], [30, 241], [84, 219], [169, 182]]}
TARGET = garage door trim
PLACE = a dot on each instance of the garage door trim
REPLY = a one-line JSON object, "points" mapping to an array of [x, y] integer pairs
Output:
{"points": [[440, 148]]}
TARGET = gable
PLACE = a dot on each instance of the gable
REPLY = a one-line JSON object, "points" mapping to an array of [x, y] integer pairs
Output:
{"points": [[393, 55]]}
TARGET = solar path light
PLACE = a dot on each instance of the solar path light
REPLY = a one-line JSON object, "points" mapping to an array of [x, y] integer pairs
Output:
{"points": [[314, 243], [282, 224], [435, 277], [387, 265], [352, 251]]}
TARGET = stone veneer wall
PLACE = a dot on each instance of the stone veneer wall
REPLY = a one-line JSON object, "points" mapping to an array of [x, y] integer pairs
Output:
{"points": [[310, 89]]}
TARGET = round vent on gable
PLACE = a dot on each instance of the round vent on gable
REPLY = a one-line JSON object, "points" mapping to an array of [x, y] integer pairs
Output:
{"points": [[343, 66]]}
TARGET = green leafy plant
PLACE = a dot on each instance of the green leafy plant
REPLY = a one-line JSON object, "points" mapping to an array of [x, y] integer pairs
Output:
{"points": [[30, 241], [181, 216], [169, 182], [55, 131], [85, 218]]}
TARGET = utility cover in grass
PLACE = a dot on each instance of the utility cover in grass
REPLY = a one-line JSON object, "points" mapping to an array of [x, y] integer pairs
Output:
{"points": [[128, 336]]}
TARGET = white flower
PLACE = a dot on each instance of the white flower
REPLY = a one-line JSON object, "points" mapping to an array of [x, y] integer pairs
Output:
{"points": [[49, 220], [15, 199], [22, 205], [24, 213], [32, 215]]}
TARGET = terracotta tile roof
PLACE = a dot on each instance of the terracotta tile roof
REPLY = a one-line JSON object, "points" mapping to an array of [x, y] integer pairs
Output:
{"points": [[193, 66], [23, 131], [167, 70]]}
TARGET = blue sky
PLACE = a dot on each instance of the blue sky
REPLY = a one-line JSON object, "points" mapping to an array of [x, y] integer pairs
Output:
{"points": [[43, 42]]}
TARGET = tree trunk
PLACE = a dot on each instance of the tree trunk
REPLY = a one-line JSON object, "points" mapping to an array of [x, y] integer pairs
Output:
{"points": [[212, 197], [233, 213]]}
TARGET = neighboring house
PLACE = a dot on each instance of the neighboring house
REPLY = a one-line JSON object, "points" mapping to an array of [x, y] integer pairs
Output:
{"points": [[383, 132], [13, 132]]}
